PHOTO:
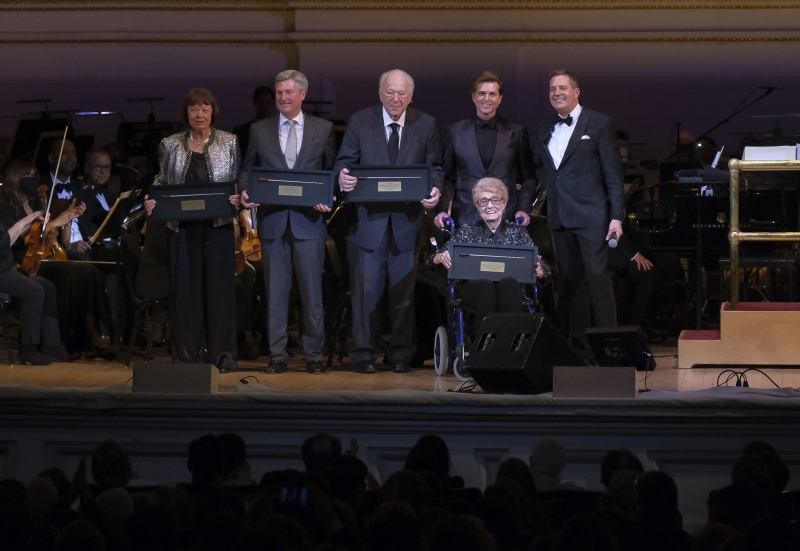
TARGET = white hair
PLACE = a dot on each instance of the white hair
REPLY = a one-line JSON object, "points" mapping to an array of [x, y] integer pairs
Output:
{"points": [[299, 78], [387, 74]]}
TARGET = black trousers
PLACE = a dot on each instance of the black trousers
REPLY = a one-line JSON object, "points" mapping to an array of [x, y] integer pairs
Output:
{"points": [[582, 255], [38, 315], [203, 293], [486, 297]]}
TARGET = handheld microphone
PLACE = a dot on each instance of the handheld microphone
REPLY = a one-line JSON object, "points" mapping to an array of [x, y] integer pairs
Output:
{"points": [[613, 241]]}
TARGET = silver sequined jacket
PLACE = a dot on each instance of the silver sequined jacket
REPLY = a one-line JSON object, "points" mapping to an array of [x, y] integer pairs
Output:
{"points": [[222, 158], [507, 234]]}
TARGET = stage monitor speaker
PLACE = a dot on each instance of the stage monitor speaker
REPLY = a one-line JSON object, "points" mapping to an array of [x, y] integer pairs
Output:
{"points": [[515, 354], [176, 378]]}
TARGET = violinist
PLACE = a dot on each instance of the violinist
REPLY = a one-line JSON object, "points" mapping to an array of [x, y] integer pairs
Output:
{"points": [[202, 261], [77, 285], [67, 188], [40, 335]]}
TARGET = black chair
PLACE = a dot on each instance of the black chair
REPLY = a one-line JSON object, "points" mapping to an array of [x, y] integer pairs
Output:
{"points": [[338, 319], [149, 312], [6, 304]]}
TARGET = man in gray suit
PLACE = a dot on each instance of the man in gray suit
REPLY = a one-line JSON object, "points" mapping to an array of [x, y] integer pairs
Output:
{"points": [[586, 199], [381, 241], [487, 146], [292, 236]]}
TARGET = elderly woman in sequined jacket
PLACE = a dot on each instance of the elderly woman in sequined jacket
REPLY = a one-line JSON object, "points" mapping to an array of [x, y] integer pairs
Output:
{"points": [[202, 261], [490, 196]]}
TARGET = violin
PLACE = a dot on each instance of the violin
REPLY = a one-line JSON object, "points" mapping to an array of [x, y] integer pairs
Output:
{"points": [[248, 247], [42, 241]]}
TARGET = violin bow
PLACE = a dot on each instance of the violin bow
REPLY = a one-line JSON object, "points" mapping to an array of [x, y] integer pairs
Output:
{"points": [[53, 186]]}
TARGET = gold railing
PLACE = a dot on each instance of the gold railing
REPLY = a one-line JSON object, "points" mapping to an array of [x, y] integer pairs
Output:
{"points": [[735, 236]]}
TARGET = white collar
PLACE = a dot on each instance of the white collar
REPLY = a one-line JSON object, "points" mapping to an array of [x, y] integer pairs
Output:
{"points": [[574, 114], [57, 181], [299, 119], [387, 120]]}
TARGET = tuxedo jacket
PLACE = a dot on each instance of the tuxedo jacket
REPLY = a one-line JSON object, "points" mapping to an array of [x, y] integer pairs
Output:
{"points": [[95, 213], [365, 143], [512, 163], [85, 225], [317, 152], [586, 190]]}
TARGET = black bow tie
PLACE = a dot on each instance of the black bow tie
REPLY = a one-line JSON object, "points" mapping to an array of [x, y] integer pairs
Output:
{"points": [[62, 187], [567, 121]]}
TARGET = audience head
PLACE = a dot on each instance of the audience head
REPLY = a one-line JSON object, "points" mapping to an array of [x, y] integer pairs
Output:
{"points": [[200, 110], [116, 506], [234, 452], [61, 483], [516, 470], [549, 456], [263, 101], [751, 470], [152, 528], [69, 159], [98, 167], [81, 535], [409, 487], [320, 450], [395, 89], [13, 495], [10, 191], [430, 453], [462, 533], [346, 478], [394, 527], [657, 490], [619, 460], [737, 506], [205, 460], [586, 532], [111, 467], [42, 496], [778, 471]]}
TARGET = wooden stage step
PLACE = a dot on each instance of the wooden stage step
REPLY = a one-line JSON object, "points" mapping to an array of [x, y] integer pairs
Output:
{"points": [[757, 333]]}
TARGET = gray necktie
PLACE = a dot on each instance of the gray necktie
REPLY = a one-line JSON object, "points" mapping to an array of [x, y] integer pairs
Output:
{"points": [[291, 145]]}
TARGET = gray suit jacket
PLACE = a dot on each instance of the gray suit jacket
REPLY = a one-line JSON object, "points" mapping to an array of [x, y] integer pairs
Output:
{"points": [[586, 190], [317, 152], [365, 144], [512, 163]]}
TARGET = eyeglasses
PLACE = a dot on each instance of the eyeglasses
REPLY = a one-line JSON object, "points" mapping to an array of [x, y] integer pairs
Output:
{"points": [[484, 201], [101, 168]]}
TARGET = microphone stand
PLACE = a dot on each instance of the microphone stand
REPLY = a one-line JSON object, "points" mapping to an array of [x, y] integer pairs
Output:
{"points": [[726, 120]]}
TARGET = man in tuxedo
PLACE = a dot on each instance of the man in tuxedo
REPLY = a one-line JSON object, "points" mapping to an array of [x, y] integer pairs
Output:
{"points": [[381, 241], [99, 198], [487, 146], [67, 188], [581, 158], [292, 238]]}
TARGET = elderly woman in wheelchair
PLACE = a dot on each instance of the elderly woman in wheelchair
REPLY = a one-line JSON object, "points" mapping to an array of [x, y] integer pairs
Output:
{"points": [[483, 296]]}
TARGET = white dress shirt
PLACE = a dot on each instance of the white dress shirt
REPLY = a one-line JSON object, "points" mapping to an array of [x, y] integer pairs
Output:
{"points": [[561, 135], [387, 120], [284, 127], [67, 194]]}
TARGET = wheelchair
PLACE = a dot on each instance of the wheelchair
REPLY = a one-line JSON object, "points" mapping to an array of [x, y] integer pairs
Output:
{"points": [[449, 345]]}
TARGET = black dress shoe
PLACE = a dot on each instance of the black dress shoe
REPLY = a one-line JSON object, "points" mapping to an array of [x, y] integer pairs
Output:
{"points": [[401, 368], [274, 367], [315, 367], [364, 367], [227, 365], [56, 353]]}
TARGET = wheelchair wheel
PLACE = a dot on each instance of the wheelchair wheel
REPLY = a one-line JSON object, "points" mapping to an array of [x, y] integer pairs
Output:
{"points": [[459, 371], [441, 351]]}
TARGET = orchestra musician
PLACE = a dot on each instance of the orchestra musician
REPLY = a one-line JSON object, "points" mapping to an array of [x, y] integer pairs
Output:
{"points": [[581, 158], [490, 197], [381, 241], [292, 238], [202, 262], [486, 145]]}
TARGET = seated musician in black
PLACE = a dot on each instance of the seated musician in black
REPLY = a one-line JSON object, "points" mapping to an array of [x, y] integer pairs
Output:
{"points": [[490, 196]]}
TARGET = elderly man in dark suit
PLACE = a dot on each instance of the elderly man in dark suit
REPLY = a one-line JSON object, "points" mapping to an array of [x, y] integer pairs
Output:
{"points": [[292, 237], [487, 146], [381, 241], [581, 158]]}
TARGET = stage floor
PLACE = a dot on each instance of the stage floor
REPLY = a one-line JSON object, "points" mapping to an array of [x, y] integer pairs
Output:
{"points": [[98, 374]]}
